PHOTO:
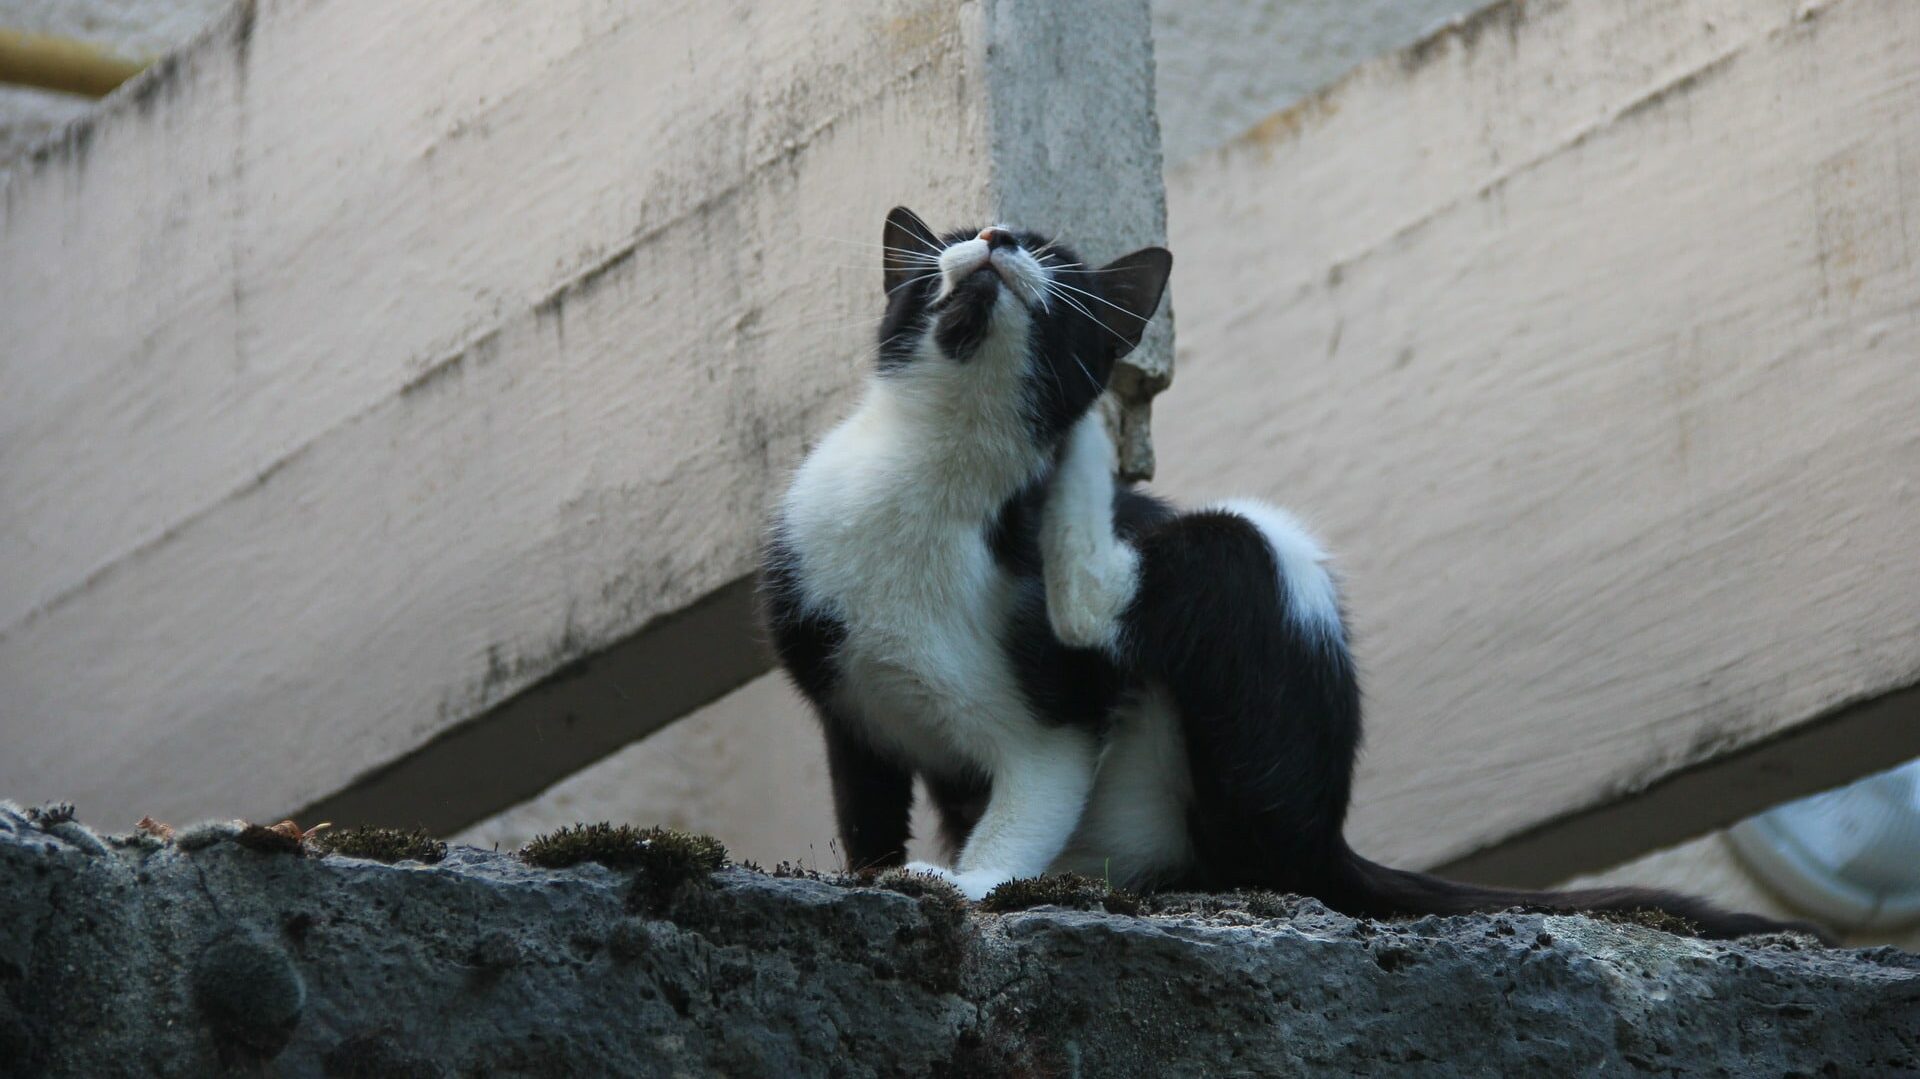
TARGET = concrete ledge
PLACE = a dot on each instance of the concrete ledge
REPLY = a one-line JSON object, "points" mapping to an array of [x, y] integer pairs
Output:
{"points": [[187, 960]]}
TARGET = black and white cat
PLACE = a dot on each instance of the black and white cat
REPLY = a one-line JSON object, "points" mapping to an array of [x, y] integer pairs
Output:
{"points": [[1086, 679]]}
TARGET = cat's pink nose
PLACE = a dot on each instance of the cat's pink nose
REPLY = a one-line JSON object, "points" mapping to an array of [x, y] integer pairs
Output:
{"points": [[997, 238]]}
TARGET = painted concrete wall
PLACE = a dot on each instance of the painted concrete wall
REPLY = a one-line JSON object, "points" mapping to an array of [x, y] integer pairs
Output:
{"points": [[1222, 64], [333, 419], [1583, 333], [1225, 65]]}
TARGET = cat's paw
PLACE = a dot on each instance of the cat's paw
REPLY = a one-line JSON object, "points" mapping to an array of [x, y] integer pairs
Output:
{"points": [[1086, 598], [974, 885]]}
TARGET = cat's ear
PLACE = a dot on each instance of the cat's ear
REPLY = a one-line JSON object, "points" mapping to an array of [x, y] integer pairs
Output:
{"points": [[909, 248], [1133, 284]]}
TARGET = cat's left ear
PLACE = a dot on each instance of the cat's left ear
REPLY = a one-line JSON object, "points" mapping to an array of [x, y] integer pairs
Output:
{"points": [[908, 248], [1133, 284]]}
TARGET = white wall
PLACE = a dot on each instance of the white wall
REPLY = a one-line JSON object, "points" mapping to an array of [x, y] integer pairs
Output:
{"points": [[1225, 65]]}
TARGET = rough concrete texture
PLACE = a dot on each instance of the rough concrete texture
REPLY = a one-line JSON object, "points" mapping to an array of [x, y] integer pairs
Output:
{"points": [[1225, 65], [135, 955], [28, 116]]}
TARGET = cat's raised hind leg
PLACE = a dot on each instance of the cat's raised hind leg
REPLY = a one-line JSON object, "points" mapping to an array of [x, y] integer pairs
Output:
{"points": [[1091, 573]]}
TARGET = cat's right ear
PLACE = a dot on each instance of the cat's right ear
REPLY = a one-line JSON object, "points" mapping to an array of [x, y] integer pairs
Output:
{"points": [[1133, 285], [909, 248]]}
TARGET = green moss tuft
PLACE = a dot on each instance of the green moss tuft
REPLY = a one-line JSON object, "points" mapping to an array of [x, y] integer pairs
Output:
{"points": [[1259, 904], [667, 860], [381, 844], [796, 871], [625, 847], [941, 904], [920, 886], [1647, 916], [1065, 890]]}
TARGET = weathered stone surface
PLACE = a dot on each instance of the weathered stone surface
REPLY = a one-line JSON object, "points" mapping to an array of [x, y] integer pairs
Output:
{"points": [[141, 960]]}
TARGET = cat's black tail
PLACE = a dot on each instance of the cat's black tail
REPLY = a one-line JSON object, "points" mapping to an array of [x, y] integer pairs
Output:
{"points": [[1362, 888]]}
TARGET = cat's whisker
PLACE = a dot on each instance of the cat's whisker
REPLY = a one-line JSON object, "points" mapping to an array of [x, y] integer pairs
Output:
{"points": [[1070, 302], [1103, 300], [931, 255], [1091, 381], [911, 280], [1079, 267]]}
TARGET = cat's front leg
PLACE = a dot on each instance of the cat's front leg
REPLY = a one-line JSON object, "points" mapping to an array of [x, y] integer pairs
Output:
{"points": [[1091, 574], [1040, 789], [872, 797]]}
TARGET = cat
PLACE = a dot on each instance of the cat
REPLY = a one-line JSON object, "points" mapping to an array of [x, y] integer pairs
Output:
{"points": [[1086, 678]]}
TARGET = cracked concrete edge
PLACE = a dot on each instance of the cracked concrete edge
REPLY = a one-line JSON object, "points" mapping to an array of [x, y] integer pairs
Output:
{"points": [[129, 947]]}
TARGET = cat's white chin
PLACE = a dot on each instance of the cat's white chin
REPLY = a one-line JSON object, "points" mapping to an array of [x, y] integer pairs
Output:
{"points": [[974, 885]]}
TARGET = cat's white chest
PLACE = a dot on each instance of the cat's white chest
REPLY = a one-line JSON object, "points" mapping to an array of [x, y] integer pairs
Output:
{"points": [[916, 586]]}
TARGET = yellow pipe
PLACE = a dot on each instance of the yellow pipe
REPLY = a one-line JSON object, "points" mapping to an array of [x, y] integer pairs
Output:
{"points": [[58, 63]]}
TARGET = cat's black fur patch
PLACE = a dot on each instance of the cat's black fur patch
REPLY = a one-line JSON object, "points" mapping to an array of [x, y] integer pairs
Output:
{"points": [[960, 320], [805, 640], [872, 795], [1270, 709]]}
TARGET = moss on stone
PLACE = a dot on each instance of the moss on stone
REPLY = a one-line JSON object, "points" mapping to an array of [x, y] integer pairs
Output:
{"points": [[943, 905], [1064, 890], [919, 886], [938, 957], [1253, 902], [623, 846], [382, 844], [1662, 920], [266, 840], [666, 860]]}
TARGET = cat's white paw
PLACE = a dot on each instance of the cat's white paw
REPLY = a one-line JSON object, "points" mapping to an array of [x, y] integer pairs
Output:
{"points": [[978, 883], [1086, 597], [974, 885]]}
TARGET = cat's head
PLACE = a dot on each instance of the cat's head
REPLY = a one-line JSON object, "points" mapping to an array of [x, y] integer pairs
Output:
{"points": [[999, 300]]}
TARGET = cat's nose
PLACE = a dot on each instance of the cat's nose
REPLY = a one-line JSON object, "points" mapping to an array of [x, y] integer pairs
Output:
{"points": [[996, 238]]}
